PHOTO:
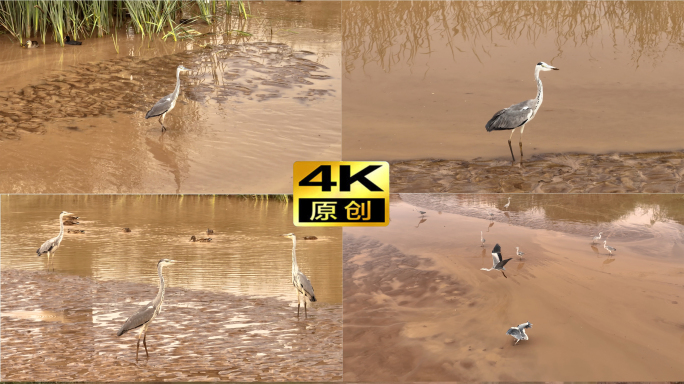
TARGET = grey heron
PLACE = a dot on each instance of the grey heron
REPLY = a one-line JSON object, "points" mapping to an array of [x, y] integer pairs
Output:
{"points": [[498, 262], [299, 280], [166, 103], [519, 332], [596, 238], [508, 204], [517, 252], [482, 239], [146, 314], [517, 115], [608, 247], [51, 246]]}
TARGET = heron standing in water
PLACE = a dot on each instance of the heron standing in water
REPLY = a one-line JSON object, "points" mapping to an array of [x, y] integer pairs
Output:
{"points": [[304, 289], [517, 115], [146, 314], [608, 247], [166, 103], [50, 246]]}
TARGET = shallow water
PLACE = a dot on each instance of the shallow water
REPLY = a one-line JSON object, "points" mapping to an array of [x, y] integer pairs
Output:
{"points": [[421, 79], [416, 288], [249, 108], [245, 257], [66, 330], [229, 311]]}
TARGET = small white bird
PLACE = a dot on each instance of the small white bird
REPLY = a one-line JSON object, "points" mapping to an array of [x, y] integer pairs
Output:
{"points": [[517, 252], [608, 247], [519, 331], [508, 204], [596, 238], [482, 239]]}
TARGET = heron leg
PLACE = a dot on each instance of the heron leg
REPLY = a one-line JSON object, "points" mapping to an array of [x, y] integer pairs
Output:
{"points": [[521, 133], [161, 121], [502, 272], [306, 316], [137, 348], [509, 144], [145, 345], [516, 341]]}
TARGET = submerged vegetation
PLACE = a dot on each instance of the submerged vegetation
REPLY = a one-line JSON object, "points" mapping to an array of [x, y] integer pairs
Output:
{"points": [[27, 19]]}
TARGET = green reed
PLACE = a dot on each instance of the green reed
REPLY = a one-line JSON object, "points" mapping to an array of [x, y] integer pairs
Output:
{"points": [[25, 19]]}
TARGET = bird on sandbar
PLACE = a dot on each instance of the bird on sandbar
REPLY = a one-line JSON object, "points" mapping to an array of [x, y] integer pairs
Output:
{"points": [[497, 262], [146, 314], [519, 332], [517, 115], [608, 247]]}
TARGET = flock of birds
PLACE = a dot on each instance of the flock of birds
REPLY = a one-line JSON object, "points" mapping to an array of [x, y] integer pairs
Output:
{"points": [[144, 316], [35, 44], [498, 264]]}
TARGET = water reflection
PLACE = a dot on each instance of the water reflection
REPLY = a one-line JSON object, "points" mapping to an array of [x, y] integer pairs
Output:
{"points": [[622, 217], [372, 29], [246, 257]]}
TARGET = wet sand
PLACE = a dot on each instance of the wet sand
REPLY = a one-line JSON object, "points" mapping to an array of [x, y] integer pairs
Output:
{"points": [[415, 289], [421, 80], [660, 172], [249, 108], [57, 327]]}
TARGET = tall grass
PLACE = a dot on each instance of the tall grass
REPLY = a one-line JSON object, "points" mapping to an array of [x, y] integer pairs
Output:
{"points": [[25, 19]]}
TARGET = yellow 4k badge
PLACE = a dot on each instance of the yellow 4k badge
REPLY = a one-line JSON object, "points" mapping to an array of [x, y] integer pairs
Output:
{"points": [[341, 193]]}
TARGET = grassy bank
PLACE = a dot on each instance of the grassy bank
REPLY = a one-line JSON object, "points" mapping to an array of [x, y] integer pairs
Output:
{"points": [[29, 19]]}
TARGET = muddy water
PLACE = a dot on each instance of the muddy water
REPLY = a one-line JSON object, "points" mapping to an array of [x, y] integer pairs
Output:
{"points": [[416, 288], [422, 79], [249, 108], [229, 311]]}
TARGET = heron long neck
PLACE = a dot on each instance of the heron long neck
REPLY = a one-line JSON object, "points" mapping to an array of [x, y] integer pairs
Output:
{"points": [[540, 89], [162, 287], [295, 268], [61, 228], [177, 89]]}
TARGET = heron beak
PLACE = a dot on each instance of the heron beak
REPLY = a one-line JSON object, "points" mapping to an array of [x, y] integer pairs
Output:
{"points": [[554, 68]]}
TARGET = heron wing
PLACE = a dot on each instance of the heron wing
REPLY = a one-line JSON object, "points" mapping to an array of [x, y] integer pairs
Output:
{"points": [[144, 315], [47, 246], [502, 263], [496, 255], [513, 331], [304, 286], [523, 326], [161, 107], [511, 117]]}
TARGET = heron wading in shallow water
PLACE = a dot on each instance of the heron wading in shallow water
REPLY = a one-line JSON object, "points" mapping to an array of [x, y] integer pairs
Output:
{"points": [[166, 103], [608, 247], [50, 246], [519, 332], [146, 314], [517, 115], [304, 289], [497, 262]]}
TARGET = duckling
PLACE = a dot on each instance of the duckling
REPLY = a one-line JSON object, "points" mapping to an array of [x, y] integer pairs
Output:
{"points": [[71, 42], [126, 229], [210, 231], [201, 239], [70, 222], [79, 231], [70, 217], [310, 238], [31, 44]]}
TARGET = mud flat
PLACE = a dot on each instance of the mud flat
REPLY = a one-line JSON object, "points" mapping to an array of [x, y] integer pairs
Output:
{"points": [[58, 327], [417, 307], [659, 172]]}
